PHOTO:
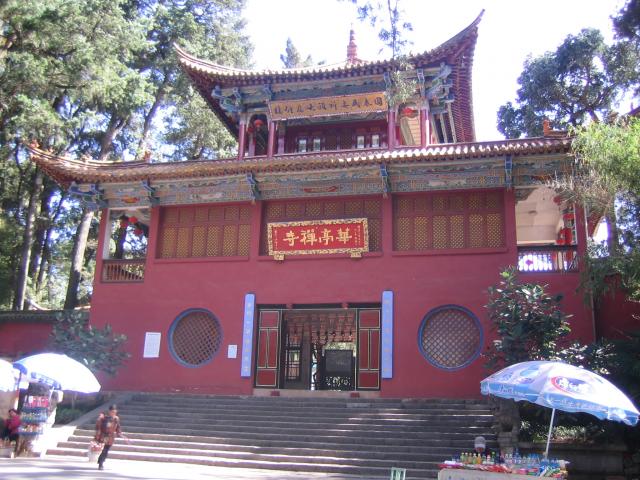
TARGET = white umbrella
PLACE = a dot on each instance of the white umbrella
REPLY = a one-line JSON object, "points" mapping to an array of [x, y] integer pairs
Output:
{"points": [[561, 386], [58, 371], [8, 377]]}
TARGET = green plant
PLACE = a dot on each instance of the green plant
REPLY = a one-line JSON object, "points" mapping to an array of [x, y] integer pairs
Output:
{"points": [[528, 321], [98, 348]]}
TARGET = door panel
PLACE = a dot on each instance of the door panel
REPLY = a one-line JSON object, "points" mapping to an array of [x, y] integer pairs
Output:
{"points": [[267, 364], [368, 349]]}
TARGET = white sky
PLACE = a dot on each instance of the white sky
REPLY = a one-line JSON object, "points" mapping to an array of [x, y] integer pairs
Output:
{"points": [[510, 30]]}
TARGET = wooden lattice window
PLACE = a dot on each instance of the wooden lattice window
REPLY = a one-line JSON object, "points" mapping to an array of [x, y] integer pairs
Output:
{"points": [[450, 337], [448, 221], [204, 231], [325, 209], [195, 337]]}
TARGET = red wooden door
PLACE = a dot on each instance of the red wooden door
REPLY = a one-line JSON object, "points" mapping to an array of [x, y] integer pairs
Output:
{"points": [[268, 352], [368, 350]]}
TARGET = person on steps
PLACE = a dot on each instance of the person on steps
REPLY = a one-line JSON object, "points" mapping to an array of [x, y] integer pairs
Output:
{"points": [[107, 429]]}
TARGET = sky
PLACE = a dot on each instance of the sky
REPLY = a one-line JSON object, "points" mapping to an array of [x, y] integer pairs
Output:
{"points": [[510, 31]]}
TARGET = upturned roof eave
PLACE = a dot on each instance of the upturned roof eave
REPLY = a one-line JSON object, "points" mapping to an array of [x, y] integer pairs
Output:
{"points": [[66, 170], [229, 75]]}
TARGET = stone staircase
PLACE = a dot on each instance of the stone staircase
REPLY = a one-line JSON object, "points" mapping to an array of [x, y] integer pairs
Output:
{"points": [[364, 437]]}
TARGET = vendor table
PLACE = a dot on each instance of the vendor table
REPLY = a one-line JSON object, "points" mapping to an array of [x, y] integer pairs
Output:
{"points": [[463, 474]]}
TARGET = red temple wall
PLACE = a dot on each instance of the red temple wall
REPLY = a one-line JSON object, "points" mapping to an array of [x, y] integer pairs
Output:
{"points": [[420, 282], [19, 339]]}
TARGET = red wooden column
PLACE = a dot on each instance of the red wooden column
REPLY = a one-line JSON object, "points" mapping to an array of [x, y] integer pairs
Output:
{"points": [[267, 361], [368, 350], [425, 124], [272, 136], [242, 131], [391, 129], [281, 133]]}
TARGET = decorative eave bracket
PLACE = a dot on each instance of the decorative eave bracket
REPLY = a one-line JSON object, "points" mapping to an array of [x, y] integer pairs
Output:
{"points": [[151, 193], [231, 103], [90, 195], [508, 171], [384, 180], [253, 187]]}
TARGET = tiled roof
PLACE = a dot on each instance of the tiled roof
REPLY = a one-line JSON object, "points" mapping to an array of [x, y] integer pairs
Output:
{"points": [[456, 52], [66, 170]]}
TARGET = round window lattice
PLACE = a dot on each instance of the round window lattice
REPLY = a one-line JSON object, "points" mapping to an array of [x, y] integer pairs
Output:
{"points": [[195, 337], [450, 337]]}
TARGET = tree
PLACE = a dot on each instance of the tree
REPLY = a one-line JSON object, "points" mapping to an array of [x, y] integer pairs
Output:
{"points": [[99, 349], [607, 181], [390, 18], [291, 57], [582, 80], [529, 322], [94, 77]]}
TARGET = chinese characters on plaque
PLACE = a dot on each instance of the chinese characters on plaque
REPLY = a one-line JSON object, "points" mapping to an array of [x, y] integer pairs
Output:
{"points": [[318, 237], [324, 106]]}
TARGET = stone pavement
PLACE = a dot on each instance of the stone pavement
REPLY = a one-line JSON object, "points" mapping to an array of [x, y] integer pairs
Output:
{"points": [[61, 468]]}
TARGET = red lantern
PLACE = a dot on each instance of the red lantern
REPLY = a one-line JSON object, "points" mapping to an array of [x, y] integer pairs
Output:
{"points": [[133, 220], [258, 123], [124, 223], [138, 232], [408, 112]]}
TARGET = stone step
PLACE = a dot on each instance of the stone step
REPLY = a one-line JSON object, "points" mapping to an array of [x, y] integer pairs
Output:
{"points": [[304, 422], [319, 412], [469, 432], [364, 437], [430, 472], [329, 448], [309, 455], [457, 440]]}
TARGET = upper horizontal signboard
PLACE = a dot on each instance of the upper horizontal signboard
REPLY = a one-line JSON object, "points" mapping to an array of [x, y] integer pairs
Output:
{"points": [[324, 106]]}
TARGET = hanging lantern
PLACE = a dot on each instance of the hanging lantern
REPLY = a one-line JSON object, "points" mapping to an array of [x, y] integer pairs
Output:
{"points": [[138, 231], [124, 222], [257, 123], [408, 112], [133, 220]]}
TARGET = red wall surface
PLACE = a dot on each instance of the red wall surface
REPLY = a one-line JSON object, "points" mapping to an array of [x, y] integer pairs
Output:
{"points": [[21, 338], [615, 314], [420, 283]]}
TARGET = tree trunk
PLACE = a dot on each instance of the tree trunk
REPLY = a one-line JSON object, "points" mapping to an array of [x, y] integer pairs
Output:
{"points": [[45, 258], [27, 242], [116, 124], [148, 119], [613, 241], [77, 258]]}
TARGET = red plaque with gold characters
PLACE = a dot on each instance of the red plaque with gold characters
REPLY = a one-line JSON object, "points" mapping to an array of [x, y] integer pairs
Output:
{"points": [[318, 237]]}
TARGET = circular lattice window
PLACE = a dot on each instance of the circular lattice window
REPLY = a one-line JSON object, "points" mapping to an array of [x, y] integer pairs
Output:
{"points": [[195, 337], [450, 337]]}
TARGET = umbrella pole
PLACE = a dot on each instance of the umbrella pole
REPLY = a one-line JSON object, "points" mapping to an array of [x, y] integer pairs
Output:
{"points": [[546, 452]]}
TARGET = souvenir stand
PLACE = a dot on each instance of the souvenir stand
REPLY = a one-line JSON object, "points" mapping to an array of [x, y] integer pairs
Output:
{"points": [[36, 416]]}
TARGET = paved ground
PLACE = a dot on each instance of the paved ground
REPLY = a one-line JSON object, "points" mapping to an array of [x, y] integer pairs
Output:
{"points": [[59, 468]]}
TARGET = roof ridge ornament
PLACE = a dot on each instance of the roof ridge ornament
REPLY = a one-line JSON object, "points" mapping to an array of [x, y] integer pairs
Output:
{"points": [[352, 48]]}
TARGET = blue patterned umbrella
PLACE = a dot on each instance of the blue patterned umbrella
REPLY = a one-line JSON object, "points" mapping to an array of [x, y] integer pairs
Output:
{"points": [[58, 371], [561, 386], [8, 377]]}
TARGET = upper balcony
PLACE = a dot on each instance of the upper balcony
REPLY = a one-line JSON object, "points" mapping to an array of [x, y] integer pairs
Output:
{"points": [[546, 232]]}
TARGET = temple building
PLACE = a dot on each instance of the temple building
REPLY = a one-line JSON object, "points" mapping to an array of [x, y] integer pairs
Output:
{"points": [[348, 246]]}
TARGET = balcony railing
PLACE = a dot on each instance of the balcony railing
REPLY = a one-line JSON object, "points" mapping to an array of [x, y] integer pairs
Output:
{"points": [[123, 270], [548, 259]]}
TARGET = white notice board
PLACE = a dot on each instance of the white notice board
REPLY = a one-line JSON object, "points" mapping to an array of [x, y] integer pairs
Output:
{"points": [[151, 345]]}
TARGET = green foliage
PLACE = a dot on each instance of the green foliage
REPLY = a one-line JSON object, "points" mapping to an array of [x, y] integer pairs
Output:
{"points": [[291, 58], [528, 321], [98, 348], [390, 16], [583, 79], [65, 415]]}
